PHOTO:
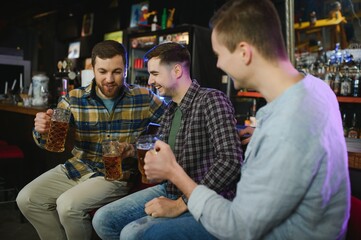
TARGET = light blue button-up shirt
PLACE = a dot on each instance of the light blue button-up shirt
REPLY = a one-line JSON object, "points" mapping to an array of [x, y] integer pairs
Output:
{"points": [[295, 182]]}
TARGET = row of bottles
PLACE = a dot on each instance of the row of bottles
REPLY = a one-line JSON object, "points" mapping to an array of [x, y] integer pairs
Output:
{"points": [[344, 81], [350, 131], [338, 69]]}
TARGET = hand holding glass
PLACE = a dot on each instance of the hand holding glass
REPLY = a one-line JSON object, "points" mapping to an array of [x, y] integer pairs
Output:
{"points": [[144, 144], [112, 160], [59, 126]]}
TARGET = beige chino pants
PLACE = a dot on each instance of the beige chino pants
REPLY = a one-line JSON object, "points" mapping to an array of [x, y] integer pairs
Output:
{"points": [[58, 207]]}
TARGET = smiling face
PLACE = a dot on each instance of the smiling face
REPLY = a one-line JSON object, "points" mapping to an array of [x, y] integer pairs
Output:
{"points": [[162, 77], [109, 76]]}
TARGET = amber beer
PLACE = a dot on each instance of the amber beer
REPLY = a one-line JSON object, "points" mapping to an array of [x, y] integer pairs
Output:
{"points": [[111, 157], [112, 164], [144, 144], [141, 154], [59, 126], [57, 136]]}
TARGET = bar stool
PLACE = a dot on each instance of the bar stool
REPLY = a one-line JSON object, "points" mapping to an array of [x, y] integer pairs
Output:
{"points": [[11, 156]]}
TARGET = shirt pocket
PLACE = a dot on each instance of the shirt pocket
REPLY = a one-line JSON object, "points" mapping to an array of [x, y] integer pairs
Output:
{"points": [[89, 122]]}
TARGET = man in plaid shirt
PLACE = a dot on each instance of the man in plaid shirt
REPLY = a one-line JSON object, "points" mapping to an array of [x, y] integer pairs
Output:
{"points": [[199, 125], [57, 202]]}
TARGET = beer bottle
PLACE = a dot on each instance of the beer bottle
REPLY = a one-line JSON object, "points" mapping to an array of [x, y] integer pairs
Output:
{"points": [[353, 132]]}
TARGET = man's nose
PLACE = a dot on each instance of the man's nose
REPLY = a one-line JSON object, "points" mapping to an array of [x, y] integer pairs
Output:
{"points": [[109, 78], [150, 80]]}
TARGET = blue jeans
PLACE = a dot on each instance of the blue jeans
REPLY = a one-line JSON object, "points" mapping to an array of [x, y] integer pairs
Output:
{"points": [[182, 227], [126, 219]]}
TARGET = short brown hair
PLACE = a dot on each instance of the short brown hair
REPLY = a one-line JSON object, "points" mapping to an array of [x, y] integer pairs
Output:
{"points": [[169, 52], [252, 21], [108, 49]]}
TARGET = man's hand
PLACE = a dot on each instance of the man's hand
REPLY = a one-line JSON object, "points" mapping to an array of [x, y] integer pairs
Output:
{"points": [[126, 149], [160, 163], [42, 121], [246, 134], [165, 207]]}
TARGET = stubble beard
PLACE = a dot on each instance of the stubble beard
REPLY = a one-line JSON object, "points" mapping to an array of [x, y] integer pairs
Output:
{"points": [[109, 94]]}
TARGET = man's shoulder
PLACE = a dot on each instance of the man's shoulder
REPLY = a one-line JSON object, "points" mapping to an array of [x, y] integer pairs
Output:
{"points": [[79, 92], [138, 90], [210, 93]]}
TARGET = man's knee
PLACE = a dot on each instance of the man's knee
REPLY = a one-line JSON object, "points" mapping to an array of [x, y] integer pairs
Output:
{"points": [[128, 232], [98, 219], [22, 200], [67, 206]]}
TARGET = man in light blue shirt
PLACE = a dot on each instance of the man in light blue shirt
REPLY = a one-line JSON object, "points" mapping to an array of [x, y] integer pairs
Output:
{"points": [[294, 182]]}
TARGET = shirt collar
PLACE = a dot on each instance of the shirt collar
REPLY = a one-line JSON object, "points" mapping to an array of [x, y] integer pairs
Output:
{"points": [[188, 98]]}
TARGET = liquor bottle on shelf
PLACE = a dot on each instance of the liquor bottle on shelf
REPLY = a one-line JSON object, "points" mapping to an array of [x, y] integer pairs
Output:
{"points": [[337, 82], [328, 77], [345, 89], [353, 131], [154, 23], [344, 124], [164, 18], [356, 83]]}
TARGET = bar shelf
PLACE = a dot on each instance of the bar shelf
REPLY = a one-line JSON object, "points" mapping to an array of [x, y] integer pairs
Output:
{"points": [[340, 99]]}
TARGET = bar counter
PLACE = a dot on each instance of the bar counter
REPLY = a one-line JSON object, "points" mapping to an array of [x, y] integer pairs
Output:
{"points": [[20, 109]]}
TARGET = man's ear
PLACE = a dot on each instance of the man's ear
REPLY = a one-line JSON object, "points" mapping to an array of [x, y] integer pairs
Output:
{"points": [[246, 52], [178, 70]]}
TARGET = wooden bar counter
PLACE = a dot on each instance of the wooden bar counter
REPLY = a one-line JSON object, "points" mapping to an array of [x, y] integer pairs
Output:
{"points": [[20, 109]]}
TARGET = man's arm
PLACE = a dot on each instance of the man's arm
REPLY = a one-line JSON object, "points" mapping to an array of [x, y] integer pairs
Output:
{"points": [[165, 207], [260, 202], [161, 164], [220, 123]]}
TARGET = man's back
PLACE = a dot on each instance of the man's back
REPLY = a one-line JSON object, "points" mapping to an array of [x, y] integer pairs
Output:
{"points": [[298, 153]]}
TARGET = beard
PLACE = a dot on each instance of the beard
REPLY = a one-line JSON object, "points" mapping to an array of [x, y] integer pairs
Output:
{"points": [[109, 90]]}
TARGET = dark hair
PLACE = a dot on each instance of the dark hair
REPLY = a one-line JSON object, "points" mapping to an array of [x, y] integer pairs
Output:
{"points": [[253, 21], [108, 49], [169, 52]]}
